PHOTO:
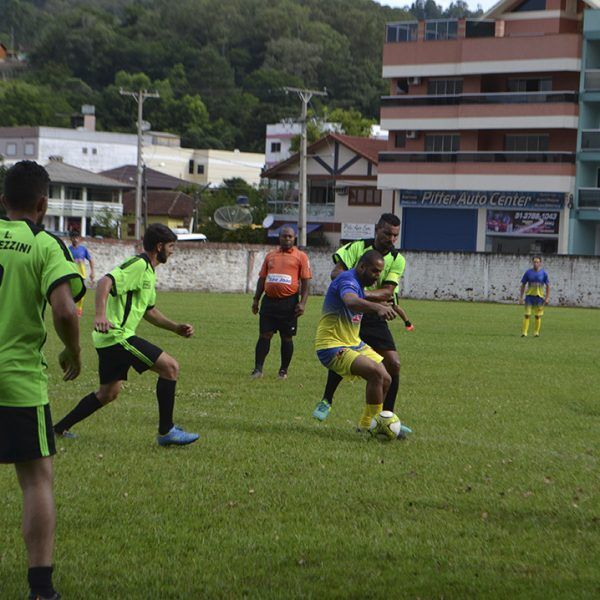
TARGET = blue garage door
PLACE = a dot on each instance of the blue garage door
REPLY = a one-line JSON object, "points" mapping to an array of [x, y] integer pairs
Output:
{"points": [[439, 229]]}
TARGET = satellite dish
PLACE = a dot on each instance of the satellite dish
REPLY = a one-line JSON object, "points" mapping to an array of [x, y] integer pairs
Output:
{"points": [[268, 221], [232, 217]]}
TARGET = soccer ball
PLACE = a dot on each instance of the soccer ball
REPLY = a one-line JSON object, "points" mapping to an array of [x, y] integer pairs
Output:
{"points": [[385, 425]]}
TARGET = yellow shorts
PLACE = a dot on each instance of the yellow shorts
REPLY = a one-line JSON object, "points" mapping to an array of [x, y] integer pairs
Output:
{"points": [[538, 311], [342, 363]]}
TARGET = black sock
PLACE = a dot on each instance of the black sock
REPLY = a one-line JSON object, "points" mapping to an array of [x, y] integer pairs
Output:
{"points": [[86, 407], [165, 394], [333, 380], [40, 581], [287, 350], [262, 349], [390, 398]]}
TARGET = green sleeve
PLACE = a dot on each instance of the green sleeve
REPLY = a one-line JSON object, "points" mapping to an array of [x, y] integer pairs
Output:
{"points": [[58, 267], [349, 254], [396, 270], [129, 276]]}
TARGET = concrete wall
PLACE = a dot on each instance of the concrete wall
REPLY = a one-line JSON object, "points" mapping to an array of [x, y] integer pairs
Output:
{"points": [[575, 280]]}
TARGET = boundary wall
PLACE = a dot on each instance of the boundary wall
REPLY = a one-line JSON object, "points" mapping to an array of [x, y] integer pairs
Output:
{"points": [[478, 277]]}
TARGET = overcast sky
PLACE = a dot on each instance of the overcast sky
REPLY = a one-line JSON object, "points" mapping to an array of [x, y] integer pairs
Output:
{"points": [[485, 4]]}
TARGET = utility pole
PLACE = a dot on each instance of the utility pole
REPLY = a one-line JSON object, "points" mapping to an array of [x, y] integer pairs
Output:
{"points": [[305, 96], [139, 97]]}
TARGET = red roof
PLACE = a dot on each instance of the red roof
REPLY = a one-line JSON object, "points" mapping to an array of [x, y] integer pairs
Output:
{"points": [[155, 180], [161, 203], [368, 148]]}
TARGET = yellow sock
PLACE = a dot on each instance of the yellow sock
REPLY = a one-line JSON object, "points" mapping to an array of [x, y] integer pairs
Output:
{"points": [[525, 326], [369, 412], [537, 326]]}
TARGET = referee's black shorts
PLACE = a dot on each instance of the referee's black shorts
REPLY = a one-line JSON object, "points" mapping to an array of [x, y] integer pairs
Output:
{"points": [[376, 332], [279, 314], [25, 433], [115, 361]]}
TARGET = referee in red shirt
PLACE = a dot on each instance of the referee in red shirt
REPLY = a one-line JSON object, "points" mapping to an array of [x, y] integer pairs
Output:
{"points": [[284, 279]]}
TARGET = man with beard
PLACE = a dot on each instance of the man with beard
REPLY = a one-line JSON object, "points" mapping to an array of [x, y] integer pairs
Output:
{"points": [[373, 329], [123, 297], [338, 345]]}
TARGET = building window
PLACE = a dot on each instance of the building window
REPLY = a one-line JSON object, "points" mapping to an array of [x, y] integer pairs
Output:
{"points": [[400, 139], [534, 84], [528, 5], [94, 150], [526, 143], [84, 150], [130, 229], [11, 149], [402, 86], [402, 32], [444, 87], [275, 146], [366, 196], [200, 169], [29, 149], [191, 167], [73, 193], [442, 143], [442, 29], [54, 192]]}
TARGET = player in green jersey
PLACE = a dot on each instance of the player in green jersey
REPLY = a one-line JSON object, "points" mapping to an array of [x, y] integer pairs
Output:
{"points": [[123, 297], [35, 269], [373, 330]]}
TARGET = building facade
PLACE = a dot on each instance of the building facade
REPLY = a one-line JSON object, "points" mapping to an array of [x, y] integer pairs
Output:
{"points": [[484, 120]]}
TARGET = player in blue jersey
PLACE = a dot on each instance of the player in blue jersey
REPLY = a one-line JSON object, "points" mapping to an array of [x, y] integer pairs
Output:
{"points": [[80, 254], [538, 294], [338, 344]]}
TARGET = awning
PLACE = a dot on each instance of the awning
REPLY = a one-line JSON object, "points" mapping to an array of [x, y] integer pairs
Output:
{"points": [[274, 232]]}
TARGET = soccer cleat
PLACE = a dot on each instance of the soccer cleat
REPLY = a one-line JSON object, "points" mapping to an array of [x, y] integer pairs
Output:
{"points": [[523, 335], [322, 410], [176, 437], [536, 335], [66, 434], [55, 596], [403, 431], [282, 374], [256, 374]]}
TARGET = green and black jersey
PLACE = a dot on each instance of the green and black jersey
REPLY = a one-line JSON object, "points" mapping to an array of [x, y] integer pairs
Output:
{"points": [[393, 262], [32, 264], [133, 292]]}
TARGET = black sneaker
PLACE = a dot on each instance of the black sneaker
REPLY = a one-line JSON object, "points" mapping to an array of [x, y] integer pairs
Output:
{"points": [[282, 374], [256, 374], [55, 596]]}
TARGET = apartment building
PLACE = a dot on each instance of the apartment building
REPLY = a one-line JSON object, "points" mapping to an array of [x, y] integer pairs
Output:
{"points": [[484, 121]]}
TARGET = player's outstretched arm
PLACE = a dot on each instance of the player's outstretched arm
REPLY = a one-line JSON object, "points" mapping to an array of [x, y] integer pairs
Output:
{"points": [[101, 323], [359, 305], [156, 318], [66, 324]]}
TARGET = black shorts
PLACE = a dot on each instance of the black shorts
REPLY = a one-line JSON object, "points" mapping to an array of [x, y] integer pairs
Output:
{"points": [[25, 433], [114, 361], [279, 314], [375, 332]]}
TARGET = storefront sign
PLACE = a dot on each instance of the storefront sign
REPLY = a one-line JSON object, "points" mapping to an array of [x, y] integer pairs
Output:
{"points": [[357, 231], [522, 223], [478, 199]]}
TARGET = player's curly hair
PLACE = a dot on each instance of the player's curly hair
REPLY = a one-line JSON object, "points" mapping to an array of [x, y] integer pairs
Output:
{"points": [[24, 184], [157, 233]]}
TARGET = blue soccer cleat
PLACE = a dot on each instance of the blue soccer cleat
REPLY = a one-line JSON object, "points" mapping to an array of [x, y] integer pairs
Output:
{"points": [[176, 437], [403, 431], [322, 410]]}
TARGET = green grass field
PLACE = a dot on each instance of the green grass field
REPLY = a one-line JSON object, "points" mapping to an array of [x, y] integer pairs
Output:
{"points": [[495, 495]]}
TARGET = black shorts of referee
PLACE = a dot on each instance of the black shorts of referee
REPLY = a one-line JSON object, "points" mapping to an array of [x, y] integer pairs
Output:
{"points": [[376, 332], [279, 314]]}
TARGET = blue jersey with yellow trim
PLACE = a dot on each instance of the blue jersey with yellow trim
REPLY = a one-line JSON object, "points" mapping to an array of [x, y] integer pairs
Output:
{"points": [[536, 282], [339, 326]]}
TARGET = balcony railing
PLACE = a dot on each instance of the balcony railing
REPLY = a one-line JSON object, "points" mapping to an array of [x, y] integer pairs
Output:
{"points": [[589, 198], [477, 157], [80, 208], [591, 81], [439, 29], [590, 140], [291, 208], [496, 98]]}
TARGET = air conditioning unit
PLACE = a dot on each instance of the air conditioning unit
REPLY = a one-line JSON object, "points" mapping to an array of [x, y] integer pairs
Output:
{"points": [[414, 80], [411, 135]]}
